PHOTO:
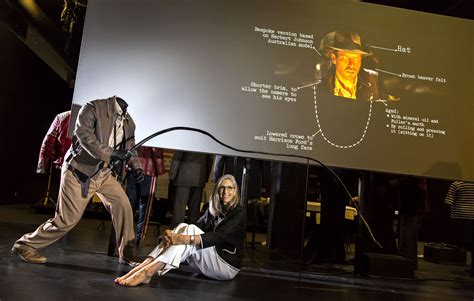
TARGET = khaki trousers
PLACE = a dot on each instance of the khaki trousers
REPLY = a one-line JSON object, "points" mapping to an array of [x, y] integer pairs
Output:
{"points": [[205, 261], [71, 206]]}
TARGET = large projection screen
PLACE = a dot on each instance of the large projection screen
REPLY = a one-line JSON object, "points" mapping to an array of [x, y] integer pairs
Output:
{"points": [[255, 75]]}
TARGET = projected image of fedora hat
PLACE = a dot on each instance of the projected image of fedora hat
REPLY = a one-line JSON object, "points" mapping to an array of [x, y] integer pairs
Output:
{"points": [[348, 42]]}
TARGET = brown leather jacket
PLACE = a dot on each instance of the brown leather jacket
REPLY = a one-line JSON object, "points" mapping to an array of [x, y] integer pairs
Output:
{"points": [[90, 150]]}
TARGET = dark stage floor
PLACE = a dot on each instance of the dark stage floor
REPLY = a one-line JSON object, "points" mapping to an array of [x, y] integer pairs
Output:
{"points": [[79, 269]]}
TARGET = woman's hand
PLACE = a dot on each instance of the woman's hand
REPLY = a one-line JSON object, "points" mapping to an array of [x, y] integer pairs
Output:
{"points": [[171, 238], [165, 239]]}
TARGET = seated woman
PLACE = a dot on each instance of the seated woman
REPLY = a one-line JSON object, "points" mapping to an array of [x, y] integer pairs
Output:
{"points": [[212, 247]]}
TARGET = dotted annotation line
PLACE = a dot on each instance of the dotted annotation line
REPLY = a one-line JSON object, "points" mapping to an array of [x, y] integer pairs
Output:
{"points": [[322, 132]]}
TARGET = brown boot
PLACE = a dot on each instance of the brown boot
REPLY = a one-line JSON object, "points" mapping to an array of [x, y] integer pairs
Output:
{"points": [[28, 255]]}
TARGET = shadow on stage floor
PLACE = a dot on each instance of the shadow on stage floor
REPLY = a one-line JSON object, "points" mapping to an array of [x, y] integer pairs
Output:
{"points": [[79, 269]]}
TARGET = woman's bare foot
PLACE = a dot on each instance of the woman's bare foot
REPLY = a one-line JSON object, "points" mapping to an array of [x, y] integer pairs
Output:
{"points": [[135, 269], [142, 276]]}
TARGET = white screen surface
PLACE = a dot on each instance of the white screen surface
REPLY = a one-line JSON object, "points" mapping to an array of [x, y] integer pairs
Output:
{"points": [[246, 72]]}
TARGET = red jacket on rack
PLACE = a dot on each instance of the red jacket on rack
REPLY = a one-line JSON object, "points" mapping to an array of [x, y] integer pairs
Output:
{"points": [[151, 159], [55, 143]]}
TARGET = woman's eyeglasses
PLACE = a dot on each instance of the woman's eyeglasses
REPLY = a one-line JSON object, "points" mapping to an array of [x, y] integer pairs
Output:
{"points": [[228, 188]]}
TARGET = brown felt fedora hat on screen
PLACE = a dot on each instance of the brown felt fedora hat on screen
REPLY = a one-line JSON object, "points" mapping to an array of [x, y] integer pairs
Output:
{"points": [[342, 41]]}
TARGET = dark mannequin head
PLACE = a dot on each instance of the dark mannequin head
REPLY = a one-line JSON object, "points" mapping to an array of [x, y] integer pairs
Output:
{"points": [[123, 105]]}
